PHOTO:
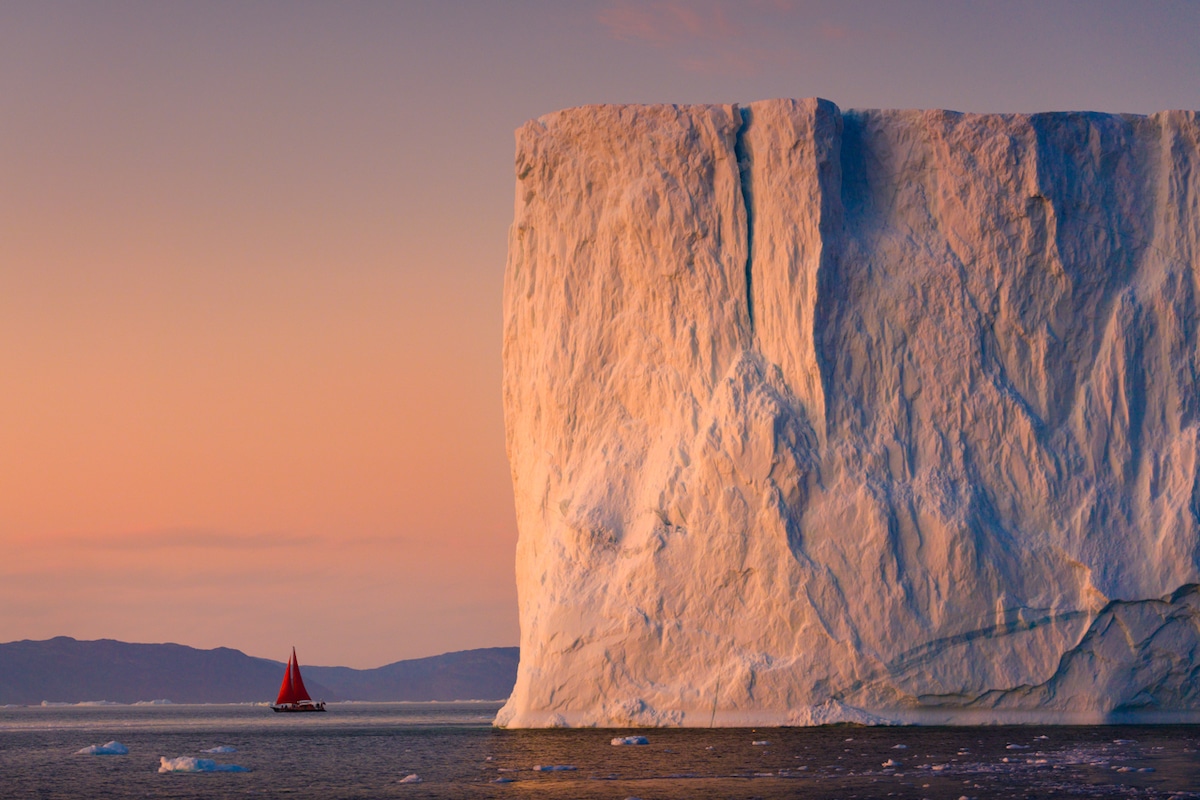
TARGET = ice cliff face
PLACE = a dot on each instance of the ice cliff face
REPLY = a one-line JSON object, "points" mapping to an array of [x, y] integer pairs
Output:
{"points": [[818, 415]]}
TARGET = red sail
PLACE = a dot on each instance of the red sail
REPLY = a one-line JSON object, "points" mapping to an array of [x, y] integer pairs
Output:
{"points": [[287, 692], [298, 691]]}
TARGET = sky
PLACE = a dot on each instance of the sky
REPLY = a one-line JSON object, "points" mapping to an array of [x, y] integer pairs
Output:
{"points": [[251, 260]]}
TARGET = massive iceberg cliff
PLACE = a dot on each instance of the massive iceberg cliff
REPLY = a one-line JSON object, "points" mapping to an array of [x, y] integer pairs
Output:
{"points": [[870, 415]]}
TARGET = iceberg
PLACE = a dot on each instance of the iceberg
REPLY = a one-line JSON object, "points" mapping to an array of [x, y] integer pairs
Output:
{"points": [[113, 748], [629, 740], [190, 764], [874, 416]]}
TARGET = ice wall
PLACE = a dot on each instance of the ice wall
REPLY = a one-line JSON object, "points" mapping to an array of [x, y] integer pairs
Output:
{"points": [[818, 415]]}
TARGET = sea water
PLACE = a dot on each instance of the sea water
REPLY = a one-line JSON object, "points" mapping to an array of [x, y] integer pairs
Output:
{"points": [[450, 750]]}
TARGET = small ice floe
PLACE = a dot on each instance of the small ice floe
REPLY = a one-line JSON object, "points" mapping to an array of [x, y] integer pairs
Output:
{"points": [[553, 768], [1017, 747], [224, 748], [899, 747], [1124, 741], [760, 743], [189, 764], [108, 749], [411, 778], [891, 762], [162, 702], [1041, 738], [621, 740], [502, 779]]}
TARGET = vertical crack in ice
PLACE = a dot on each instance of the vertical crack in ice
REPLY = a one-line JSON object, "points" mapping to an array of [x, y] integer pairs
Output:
{"points": [[744, 175]]}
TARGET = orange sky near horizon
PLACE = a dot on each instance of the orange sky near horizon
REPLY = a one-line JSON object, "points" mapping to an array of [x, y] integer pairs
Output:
{"points": [[251, 260]]}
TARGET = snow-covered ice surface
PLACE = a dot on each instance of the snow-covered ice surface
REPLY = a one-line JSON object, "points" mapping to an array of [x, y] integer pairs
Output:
{"points": [[113, 748], [869, 416]]}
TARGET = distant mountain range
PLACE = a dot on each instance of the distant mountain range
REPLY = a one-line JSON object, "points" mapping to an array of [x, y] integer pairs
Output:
{"points": [[66, 670]]}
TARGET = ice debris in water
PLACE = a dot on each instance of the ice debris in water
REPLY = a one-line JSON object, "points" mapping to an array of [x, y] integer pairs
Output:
{"points": [[189, 764], [900, 747], [113, 748], [760, 743], [412, 778], [1017, 747], [630, 740], [553, 768], [224, 748], [891, 762]]}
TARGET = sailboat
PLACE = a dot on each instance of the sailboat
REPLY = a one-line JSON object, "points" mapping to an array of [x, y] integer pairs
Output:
{"points": [[292, 694]]}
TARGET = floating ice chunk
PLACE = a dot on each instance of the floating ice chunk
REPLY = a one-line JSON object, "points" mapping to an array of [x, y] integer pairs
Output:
{"points": [[413, 778], [189, 764], [1124, 741], [503, 780], [110, 749], [553, 768], [224, 748], [163, 702], [891, 762], [899, 747], [1041, 737], [630, 740], [760, 743], [1017, 747]]}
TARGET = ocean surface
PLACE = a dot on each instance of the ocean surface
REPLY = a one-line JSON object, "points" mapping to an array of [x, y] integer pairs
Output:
{"points": [[368, 750]]}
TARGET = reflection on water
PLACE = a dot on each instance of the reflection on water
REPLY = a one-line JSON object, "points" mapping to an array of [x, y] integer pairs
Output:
{"points": [[367, 750]]}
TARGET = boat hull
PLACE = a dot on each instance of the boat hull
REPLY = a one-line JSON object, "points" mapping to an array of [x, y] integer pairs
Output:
{"points": [[297, 707]]}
